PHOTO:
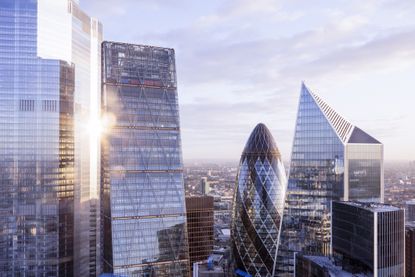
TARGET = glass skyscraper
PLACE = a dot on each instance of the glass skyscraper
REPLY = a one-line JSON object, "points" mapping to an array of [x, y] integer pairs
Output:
{"points": [[50, 82], [331, 160], [258, 205], [142, 194], [369, 237]]}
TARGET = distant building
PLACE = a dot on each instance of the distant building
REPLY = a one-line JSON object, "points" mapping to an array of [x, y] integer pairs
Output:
{"points": [[320, 266], [142, 193], [204, 186], [410, 210], [258, 205], [331, 159], [369, 237], [410, 249], [200, 221]]}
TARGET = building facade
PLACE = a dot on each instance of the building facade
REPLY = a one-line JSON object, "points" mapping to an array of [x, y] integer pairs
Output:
{"points": [[410, 210], [369, 237], [48, 77], [200, 223], [410, 249], [331, 159], [142, 196], [258, 205], [204, 186]]}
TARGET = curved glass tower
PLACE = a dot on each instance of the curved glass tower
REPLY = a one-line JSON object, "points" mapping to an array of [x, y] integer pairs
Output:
{"points": [[258, 204]]}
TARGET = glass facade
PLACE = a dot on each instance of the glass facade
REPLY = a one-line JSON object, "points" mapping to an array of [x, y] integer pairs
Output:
{"points": [[331, 160], [45, 47], [258, 205], [364, 165], [142, 195], [200, 227], [36, 149], [86, 38], [369, 237]]}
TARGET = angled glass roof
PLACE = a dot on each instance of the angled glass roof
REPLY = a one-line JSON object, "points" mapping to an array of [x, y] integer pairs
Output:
{"points": [[359, 136], [347, 132], [341, 126]]}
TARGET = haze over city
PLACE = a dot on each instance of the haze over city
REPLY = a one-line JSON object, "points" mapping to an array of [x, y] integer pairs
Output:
{"points": [[242, 62], [122, 123]]}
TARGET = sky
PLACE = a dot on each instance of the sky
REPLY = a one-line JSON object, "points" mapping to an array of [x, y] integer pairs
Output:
{"points": [[241, 62]]}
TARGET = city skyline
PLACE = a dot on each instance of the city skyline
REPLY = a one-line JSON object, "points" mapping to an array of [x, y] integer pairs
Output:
{"points": [[97, 126], [235, 58]]}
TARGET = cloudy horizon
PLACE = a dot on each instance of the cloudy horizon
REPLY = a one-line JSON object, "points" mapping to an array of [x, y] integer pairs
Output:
{"points": [[241, 62]]}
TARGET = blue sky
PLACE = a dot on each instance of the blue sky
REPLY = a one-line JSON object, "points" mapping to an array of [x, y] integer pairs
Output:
{"points": [[241, 62]]}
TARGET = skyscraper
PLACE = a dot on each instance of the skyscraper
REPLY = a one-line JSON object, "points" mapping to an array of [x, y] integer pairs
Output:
{"points": [[200, 222], [50, 83], [331, 160], [410, 210], [409, 248], [143, 201], [369, 237], [258, 204]]}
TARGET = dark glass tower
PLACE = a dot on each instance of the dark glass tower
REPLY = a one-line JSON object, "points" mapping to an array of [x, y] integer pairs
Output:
{"points": [[258, 204], [143, 201], [331, 160], [36, 150], [200, 227], [369, 237]]}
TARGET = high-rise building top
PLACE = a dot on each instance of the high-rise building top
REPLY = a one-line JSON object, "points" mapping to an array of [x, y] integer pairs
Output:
{"points": [[369, 237], [373, 206], [321, 266], [347, 132], [409, 248], [258, 205], [143, 201], [331, 160]]}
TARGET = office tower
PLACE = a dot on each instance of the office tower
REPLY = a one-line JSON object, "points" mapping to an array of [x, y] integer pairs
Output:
{"points": [[369, 237], [142, 196], [331, 159], [410, 210], [204, 185], [258, 204], [410, 249], [50, 80], [199, 212]]}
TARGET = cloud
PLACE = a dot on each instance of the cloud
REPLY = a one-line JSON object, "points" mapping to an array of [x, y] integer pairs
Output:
{"points": [[242, 61], [381, 53]]}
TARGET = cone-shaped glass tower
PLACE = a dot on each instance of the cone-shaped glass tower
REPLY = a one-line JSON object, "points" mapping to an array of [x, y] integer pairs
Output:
{"points": [[258, 204]]}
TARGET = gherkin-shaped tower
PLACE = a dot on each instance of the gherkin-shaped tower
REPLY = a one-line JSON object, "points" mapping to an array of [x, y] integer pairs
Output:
{"points": [[258, 204]]}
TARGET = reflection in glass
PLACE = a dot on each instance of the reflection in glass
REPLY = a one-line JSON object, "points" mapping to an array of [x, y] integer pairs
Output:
{"points": [[36, 150], [331, 160], [142, 196], [258, 205]]}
